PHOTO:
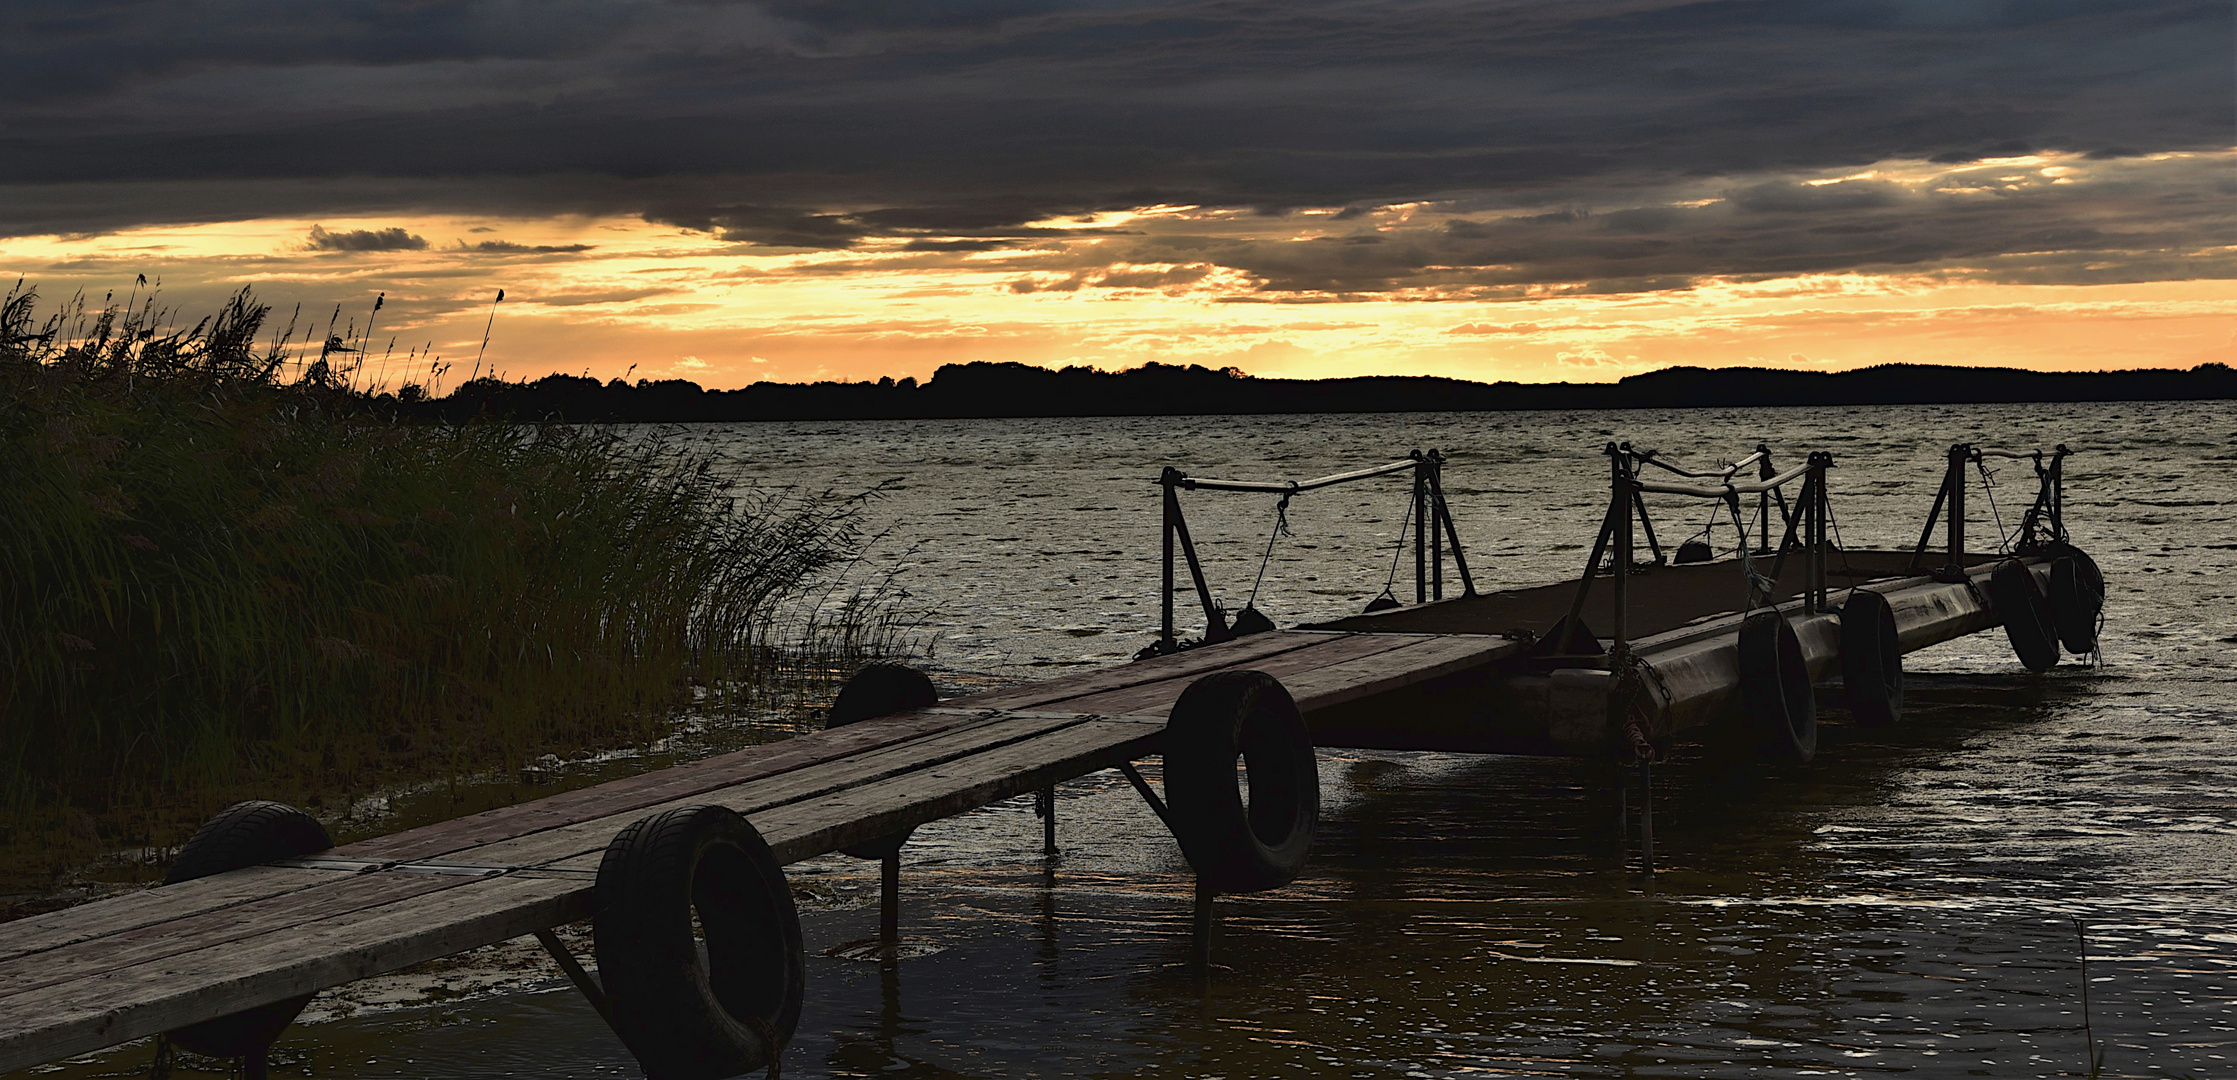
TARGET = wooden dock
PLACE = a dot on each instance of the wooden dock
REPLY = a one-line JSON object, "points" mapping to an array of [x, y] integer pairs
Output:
{"points": [[1498, 672], [120, 969]]}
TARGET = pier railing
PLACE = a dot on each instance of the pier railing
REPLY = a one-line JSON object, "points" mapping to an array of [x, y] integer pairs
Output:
{"points": [[1431, 521], [2043, 525], [1806, 529]]}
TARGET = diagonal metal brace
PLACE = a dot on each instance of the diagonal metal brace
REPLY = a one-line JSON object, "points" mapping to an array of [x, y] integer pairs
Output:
{"points": [[1149, 796], [575, 974]]}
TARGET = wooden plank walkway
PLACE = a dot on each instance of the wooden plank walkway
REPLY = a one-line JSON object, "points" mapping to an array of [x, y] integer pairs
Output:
{"points": [[108, 972]]}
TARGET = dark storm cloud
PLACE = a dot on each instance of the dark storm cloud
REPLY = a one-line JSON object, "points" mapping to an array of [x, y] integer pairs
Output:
{"points": [[1562, 134], [391, 239]]}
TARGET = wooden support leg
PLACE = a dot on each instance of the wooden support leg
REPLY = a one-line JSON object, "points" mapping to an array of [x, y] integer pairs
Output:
{"points": [[889, 900]]}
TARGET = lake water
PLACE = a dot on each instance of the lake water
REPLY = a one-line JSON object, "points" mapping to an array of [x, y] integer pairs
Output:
{"points": [[1915, 902]]}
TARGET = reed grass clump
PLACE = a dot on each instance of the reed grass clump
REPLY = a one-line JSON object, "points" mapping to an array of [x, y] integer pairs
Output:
{"points": [[214, 585]]}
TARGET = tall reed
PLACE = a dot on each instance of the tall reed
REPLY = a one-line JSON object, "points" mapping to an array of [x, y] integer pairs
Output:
{"points": [[213, 584]]}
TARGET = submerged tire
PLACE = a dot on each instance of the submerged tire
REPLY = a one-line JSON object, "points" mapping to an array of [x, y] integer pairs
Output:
{"points": [[880, 689], [243, 835], [2027, 623], [1775, 691], [1241, 839], [684, 1014], [1871, 660], [2077, 596]]}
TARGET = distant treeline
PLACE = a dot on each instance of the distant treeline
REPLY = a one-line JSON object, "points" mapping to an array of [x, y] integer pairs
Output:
{"points": [[1009, 389]]}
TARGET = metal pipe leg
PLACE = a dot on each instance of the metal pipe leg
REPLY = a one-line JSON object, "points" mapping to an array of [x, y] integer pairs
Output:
{"points": [[255, 1066], [1646, 815], [889, 900], [1044, 802], [1202, 956]]}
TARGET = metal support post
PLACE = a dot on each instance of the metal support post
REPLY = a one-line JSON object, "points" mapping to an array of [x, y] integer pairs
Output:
{"points": [[1172, 511], [889, 900], [1421, 538], [1959, 453], [1646, 815], [1044, 804], [1621, 491], [1436, 535]]}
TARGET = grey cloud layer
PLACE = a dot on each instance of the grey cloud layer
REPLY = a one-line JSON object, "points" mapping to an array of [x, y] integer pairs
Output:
{"points": [[956, 125]]}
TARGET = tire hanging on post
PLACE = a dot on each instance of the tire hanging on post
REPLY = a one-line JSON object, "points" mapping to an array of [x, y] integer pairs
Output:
{"points": [[2077, 597], [243, 835], [1241, 839], [880, 689], [1775, 690], [2027, 619], [689, 1015], [1871, 660]]}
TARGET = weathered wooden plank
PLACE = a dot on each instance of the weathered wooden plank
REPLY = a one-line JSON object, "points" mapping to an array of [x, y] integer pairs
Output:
{"points": [[119, 914], [141, 999], [1158, 697], [659, 786], [591, 837], [805, 829], [1064, 692], [130, 1003], [348, 894], [1418, 662]]}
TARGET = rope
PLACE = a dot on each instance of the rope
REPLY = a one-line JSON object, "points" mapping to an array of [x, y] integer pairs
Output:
{"points": [[1988, 484], [1757, 583], [1400, 554], [1281, 529], [1834, 520]]}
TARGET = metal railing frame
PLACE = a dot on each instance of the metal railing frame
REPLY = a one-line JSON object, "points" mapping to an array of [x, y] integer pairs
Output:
{"points": [[1433, 530], [2049, 506], [1808, 517]]}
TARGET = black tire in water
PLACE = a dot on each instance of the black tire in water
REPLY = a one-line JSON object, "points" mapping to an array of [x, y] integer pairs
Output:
{"points": [[2027, 619], [684, 1014], [1871, 660], [244, 835], [880, 689], [1240, 838], [2077, 596], [1775, 691]]}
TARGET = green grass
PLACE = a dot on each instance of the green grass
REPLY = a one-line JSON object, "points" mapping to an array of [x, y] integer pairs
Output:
{"points": [[213, 585]]}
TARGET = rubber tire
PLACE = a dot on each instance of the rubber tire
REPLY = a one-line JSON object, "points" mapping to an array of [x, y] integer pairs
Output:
{"points": [[880, 689], [2027, 619], [243, 835], [1775, 694], [1241, 843], [1871, 660], [2077, 596], [686, 1017], [1695, 551]]}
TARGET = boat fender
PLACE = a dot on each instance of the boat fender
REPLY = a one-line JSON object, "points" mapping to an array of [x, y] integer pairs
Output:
{"points": [[684, 1016], [1775, 690], [1693, 551], [1871, 660], [1239, 843], [2077, 596], [880, 689], [2027, 623], [244, 835]]}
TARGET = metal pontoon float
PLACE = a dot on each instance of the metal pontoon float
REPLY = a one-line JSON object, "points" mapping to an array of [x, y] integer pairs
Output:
{"points": [[270, 913]]}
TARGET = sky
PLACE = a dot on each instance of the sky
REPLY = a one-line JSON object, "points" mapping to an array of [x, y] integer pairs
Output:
{"points": [[847, 189]]}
